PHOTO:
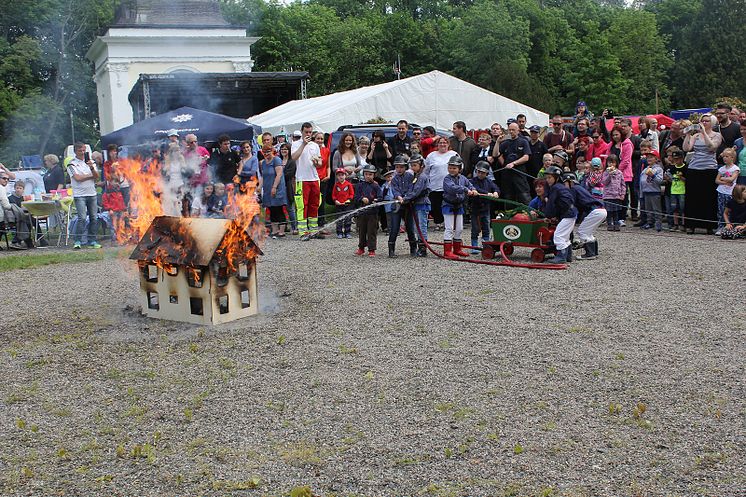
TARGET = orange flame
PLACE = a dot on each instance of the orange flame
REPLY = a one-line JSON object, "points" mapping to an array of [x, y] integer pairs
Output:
{"points": [[145, 192], [245, 211], [146, 203]]}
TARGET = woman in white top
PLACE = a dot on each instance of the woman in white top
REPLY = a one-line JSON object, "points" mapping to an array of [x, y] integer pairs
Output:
{"points": [[436, 169]]}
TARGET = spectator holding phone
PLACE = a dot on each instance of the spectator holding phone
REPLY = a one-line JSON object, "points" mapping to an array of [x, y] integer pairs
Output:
{"points": [[83, 175]]}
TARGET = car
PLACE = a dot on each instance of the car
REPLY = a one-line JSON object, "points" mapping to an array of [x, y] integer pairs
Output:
{"points": [[359, 130]]}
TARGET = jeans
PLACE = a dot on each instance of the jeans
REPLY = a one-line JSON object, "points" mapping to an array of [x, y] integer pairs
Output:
{"points": [[652, 204], [344, 227], [675, 203], [480, 222], [422, 220], [87, 207], [396, 218]]}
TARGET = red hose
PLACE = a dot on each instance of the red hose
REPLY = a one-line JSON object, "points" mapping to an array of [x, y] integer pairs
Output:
{"points": [[504, 262]]}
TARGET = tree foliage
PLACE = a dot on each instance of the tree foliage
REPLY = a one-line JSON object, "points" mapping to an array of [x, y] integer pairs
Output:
{"points": [[545, 53]]}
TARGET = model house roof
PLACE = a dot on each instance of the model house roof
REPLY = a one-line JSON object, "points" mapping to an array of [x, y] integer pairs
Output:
{"points": [[185, 241]]}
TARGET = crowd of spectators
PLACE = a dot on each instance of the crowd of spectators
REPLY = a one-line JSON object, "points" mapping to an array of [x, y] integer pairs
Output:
{"points": [[302, 184]]}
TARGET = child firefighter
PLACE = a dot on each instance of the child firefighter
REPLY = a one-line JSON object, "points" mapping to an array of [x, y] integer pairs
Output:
{"points": [[560, 206], [366, 193], [455, 190]]}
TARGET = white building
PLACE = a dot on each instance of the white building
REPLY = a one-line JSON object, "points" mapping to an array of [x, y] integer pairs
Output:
{"points": [[159, 37]]}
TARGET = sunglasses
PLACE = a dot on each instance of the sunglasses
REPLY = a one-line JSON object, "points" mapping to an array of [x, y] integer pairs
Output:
{"points": [[4, 178]]}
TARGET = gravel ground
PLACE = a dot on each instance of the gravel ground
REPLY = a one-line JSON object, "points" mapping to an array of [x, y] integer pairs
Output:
{"points": [[621, 376]]}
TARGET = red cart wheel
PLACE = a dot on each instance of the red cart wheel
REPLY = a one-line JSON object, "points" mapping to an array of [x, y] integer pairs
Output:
{"points": [[537, 255], [488, 252], [508, 248]]}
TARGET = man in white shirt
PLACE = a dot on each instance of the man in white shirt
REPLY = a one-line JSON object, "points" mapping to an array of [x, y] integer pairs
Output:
{"points": [[303, 152], [83, 176]]}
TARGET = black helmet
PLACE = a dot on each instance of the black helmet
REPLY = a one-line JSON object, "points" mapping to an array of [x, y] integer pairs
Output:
{"points": [[554, 171], [482, 166], [457, 161], [416, 158], [569, 177], [401, 159], [562, 155], [369, 168]]}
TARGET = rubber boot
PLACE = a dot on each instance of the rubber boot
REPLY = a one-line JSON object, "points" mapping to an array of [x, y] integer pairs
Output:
{"points": [[587, 252], [413, 249], [561, 256], [457, 244], [392, 250], [448, 251], [421, 249], [474, 243], [595, 247]]}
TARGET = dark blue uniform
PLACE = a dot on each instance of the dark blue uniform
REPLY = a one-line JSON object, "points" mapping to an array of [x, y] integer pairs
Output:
{"points": [[560, 202], [584, 201]]}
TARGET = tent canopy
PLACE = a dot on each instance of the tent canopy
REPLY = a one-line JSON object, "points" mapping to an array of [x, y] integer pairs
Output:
{"points": [[434, 98], [206, 125]]}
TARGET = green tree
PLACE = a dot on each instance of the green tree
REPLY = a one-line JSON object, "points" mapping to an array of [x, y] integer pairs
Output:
{"points": [[643, 58]]}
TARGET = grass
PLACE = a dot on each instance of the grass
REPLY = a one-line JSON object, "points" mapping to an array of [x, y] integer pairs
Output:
{"points": [[28, 260]]}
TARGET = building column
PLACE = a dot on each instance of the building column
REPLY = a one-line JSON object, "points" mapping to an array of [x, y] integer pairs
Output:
{"points": [[113, 87]]}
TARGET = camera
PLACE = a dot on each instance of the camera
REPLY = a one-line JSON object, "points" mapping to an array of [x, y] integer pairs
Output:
{"points": [[694, 128], [610, 113]]}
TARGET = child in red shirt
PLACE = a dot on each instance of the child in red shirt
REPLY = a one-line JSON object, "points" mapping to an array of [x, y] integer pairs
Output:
{"points": [[343, 194]]}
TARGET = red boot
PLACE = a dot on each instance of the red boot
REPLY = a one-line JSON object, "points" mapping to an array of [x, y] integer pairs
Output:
{"points": [[457, 244], [448, 251]]}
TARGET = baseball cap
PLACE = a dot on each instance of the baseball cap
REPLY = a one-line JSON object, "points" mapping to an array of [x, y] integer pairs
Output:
{"points": [[173, 132], [655, 153], [535, 128], [596, 162], [297, 133], [511, 121]]}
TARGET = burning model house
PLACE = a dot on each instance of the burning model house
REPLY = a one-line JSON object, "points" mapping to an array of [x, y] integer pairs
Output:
{"points": [[197, 270]]}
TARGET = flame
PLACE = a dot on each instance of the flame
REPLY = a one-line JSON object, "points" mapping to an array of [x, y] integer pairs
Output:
{"points": [[145, 197], [244, 209]]}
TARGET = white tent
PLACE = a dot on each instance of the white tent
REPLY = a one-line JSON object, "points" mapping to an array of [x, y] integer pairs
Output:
{"points": [[434, 98]]}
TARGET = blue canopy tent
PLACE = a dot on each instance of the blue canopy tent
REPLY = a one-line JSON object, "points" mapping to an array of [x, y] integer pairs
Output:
{"points": [[685, 113], [206, 125]]}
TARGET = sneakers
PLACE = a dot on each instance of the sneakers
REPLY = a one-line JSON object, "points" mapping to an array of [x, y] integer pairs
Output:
{"points": [[719, 232], [622, 223], [348, 235], [645, 227], [94, 245], [18, 246], [359, 251], [76, 245], [340, 235], [609, 227], [617, 227], [371, 253]]}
